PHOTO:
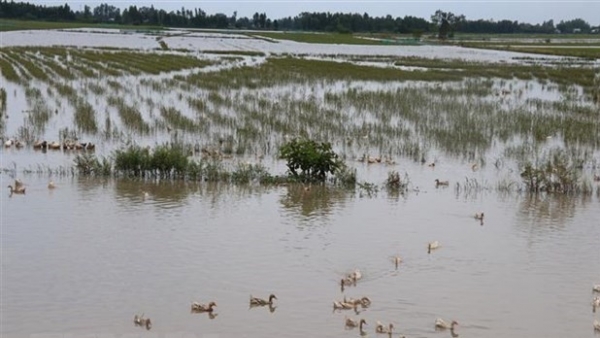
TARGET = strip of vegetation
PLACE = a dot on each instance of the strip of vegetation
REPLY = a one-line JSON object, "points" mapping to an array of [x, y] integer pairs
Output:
{"points": [[8, 71], [326, 38], [234, 52], [556, 174], [131, 116], [17, 25], [171, 162], [85, 117], [587, 51]]}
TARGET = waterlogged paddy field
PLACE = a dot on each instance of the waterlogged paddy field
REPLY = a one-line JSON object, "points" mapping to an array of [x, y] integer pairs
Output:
{"points": [[87, 256]]}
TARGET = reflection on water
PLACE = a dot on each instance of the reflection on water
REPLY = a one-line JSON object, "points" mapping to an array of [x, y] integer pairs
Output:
{"points": [[85, 257], [315, 201], [164, 194]]}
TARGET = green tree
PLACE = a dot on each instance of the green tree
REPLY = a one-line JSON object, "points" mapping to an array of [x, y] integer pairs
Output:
{"points": [[447, 23], [309, 160]]}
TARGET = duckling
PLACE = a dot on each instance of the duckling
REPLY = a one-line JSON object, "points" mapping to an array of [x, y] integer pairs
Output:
{"points": [[351, 323], [51, 185], [40, 145], [16, 190], [197, 307], [382, 329], [596, 288], [441, 183], [141, 321], [347, 282], [364, 301], [355, 275], [596, 325], [343, 306], [19, 188], [432, 246], [479, 216], [441, 324], [354, 323], [261, 302], [397, 261], [18, 184]]}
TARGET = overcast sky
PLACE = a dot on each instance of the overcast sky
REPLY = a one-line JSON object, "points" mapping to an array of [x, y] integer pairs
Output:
{"points": [[522, 11]]}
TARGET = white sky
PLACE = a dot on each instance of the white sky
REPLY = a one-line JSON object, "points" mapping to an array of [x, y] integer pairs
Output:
{"points": [[523, 11]]}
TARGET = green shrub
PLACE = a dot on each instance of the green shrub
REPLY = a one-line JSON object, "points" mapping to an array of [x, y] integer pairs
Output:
{"points": [[308, 160], [169, 160], [134, 160], [556, 175]]}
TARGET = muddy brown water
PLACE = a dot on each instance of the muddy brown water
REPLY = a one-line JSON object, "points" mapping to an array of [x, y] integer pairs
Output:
{"points": [[84, 258]]}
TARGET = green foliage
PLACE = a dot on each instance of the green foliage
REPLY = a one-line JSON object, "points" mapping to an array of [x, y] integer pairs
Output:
{"points": [[165, 161], [246, 173], [396, 183], [345, 176], [88, 164], [556, 175], [2, 99], [169, 160], [309, 160], [134, 160]]}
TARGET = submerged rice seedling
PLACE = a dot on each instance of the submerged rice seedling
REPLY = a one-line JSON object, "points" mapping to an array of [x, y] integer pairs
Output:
{"points": [[85, 117]]}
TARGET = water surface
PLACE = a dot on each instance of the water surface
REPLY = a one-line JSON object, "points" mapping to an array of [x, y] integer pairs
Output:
{"points": [[87, 256]]}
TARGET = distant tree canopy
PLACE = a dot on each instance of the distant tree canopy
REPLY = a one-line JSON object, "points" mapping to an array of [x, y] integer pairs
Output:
{"points": [[447, 23], [444, 23]]}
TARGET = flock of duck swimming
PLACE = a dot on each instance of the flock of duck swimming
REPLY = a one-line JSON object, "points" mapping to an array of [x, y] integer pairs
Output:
{"points": [[140, 320], [19, 187], [365, 302]]}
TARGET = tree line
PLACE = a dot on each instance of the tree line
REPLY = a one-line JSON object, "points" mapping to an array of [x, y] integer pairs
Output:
{"points": [[445, 24]]}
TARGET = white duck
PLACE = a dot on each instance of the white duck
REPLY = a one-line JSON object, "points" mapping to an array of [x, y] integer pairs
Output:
{"points": [[355, 275], [354, 323], [343, 306], [382, 329], [397, 260], [441, 324], [596, 325], [596, 288], [432, 246]]}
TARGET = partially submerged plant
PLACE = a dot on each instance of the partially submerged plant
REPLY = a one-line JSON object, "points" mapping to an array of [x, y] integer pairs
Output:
{"points": [[308, 160]]}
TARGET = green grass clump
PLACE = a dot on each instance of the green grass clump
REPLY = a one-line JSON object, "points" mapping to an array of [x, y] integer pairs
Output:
{"points": [[166, 161], [163, 45], [7, 69], [178, 120], [556, 174], [133, 161], [130, 115], [85, 117]]}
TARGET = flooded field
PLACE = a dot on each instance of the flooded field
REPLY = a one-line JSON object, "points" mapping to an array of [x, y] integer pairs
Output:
{"points": [[85, 257]]}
